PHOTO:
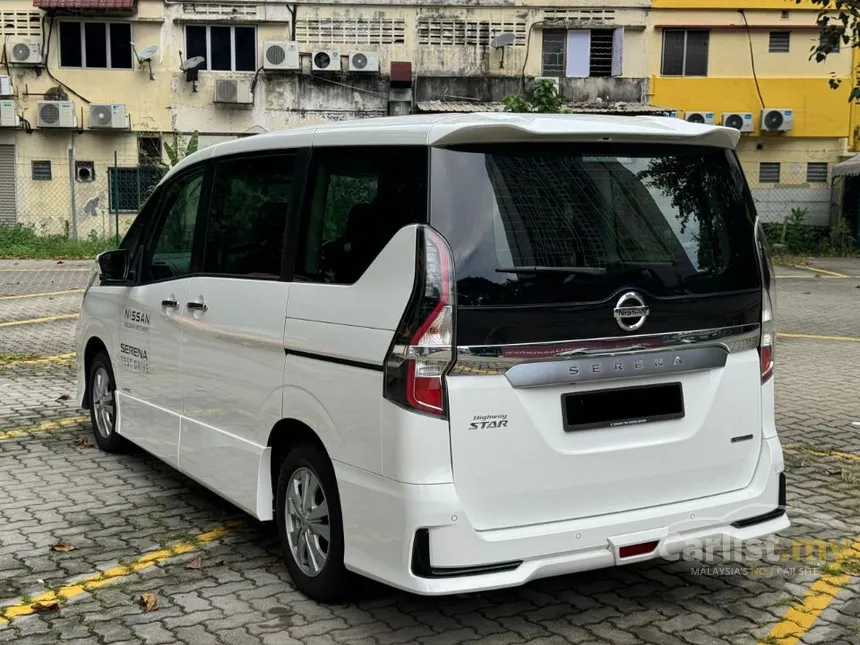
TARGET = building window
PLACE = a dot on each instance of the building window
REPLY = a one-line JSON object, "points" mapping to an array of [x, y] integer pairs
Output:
{"points": [[225, 49], [829, 41], [780, 42], [95, 45], [600, 52], [41, 170], [581, 53], [553, 52], [685, 52], [128, 188], [149, 150], [816, 172], [768, 173]]}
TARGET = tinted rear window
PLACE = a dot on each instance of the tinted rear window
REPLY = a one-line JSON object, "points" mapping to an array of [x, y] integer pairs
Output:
{"points": [[544, 224]]}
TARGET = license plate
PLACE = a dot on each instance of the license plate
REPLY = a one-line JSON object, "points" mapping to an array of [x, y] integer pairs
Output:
{"points": [[622, 406]]}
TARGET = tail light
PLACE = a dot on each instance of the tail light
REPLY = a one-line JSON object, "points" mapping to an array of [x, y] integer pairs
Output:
{"points": [[768, 327], [421, 352]]}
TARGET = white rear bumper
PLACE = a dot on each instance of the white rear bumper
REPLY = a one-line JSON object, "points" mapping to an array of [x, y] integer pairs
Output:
{"points": [[383, 516]]}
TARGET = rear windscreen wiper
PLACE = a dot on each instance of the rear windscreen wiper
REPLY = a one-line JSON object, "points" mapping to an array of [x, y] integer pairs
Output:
{"points": [[562, 270]]}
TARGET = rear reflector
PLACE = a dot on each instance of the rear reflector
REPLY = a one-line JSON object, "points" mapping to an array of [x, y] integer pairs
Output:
{"points": [[637, 549]]}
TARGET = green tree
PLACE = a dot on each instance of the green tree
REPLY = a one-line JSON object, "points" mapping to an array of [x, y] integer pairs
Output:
{"points": [[544, 98], [839, 24]]}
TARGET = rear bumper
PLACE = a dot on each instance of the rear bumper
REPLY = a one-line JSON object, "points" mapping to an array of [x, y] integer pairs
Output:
{"points": [[418, 538]]}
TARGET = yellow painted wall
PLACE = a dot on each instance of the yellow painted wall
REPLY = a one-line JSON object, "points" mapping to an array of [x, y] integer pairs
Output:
{"points": [[788, 5], [787, 80], [819, 110]]}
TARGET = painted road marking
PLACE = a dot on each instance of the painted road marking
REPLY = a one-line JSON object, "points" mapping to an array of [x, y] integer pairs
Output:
{"points": [[800, 618], [38, 295], [846, 339], [834, 274], [43, 427], [56, 358], [55, 269], [114, 574], [31, 321], [849, 456], [817, 277]]}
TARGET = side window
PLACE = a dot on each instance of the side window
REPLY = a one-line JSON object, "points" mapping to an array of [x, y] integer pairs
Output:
{"points": [[170, 249], [245, 230], [357, 199], [135, 237]]}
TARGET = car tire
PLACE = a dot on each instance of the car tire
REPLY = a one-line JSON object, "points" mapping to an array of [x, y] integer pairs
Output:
{"points": [[310, 525], [103, 408]]}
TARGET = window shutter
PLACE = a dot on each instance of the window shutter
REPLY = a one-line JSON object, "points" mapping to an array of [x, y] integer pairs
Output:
{"points": [[578, 58], [617, 51]]}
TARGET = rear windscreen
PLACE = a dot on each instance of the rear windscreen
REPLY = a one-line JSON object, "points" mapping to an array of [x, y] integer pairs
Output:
{"points": [[544, 224]]}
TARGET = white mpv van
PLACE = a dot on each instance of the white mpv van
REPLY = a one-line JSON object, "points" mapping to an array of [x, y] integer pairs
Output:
{"points": [[452, 353]]}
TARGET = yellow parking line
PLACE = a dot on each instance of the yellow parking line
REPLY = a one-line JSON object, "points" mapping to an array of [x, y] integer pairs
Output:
{"points": [[799, 618], [114, 574], [56, 358], [834, 274], [47, 293], [42, 427], [63, 269], [849, 456], [848, 339], [817, 277], [31, 321]]}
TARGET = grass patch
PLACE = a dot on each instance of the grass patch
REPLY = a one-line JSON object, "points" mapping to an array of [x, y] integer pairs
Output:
{"points": [[22, 242]]}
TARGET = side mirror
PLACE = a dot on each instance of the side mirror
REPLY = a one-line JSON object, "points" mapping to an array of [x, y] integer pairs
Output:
{"points": [[113, 265]]}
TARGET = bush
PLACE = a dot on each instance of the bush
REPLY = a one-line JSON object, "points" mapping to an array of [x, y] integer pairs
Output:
{"points": [[20, 242], [793, 237]]}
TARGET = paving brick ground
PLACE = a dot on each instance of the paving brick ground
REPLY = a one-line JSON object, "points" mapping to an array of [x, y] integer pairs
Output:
{"points": [[116, 509]]}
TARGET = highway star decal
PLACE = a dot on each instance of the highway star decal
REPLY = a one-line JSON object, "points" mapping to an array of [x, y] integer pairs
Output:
{"points": [[487, 421]]}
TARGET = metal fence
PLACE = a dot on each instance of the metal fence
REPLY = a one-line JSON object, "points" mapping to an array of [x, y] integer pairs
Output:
{"points": [[97, 199], [799, 193], [75, 199]]}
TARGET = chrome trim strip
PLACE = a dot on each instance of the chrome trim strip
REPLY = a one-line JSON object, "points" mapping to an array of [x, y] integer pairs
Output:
{"points": [[622, 366], [497, 360]]}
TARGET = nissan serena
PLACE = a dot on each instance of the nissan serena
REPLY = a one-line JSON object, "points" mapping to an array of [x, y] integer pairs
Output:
{"points": [[452, 352]]}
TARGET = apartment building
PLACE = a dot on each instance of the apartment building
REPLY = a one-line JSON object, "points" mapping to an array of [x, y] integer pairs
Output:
{"points": [[746, 63], [92, 90]]}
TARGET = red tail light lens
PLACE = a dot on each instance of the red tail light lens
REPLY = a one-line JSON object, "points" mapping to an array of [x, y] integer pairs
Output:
{"points": [[422, 349], [767, 343]]}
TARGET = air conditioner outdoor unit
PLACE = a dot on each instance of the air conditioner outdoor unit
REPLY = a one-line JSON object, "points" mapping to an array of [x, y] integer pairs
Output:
{"points": [[233, 91], [108, 116], [777, 120], [8, 114], [5, 86], [281, 54], [24, 53], [325, 60], [56, 114], [699, 117], [742, 121], [364, 62]]}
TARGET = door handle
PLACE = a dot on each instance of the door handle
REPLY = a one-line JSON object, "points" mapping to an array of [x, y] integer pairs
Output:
{"points": [[170, 304], [197, 306]]}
